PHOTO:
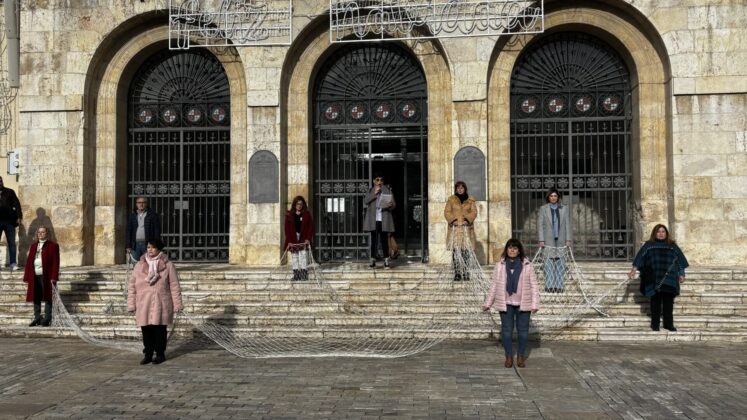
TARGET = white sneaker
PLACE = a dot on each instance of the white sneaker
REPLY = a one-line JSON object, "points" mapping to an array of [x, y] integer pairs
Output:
{"points": [[13, 267], [386, 262]]}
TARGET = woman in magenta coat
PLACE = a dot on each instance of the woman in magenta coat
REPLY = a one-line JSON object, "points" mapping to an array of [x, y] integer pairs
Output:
{"points": [[153, 295], [514, 294], [299, 232], [41, 273]]}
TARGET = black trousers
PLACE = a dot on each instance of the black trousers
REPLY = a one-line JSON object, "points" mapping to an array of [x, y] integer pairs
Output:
{"points": [[376, 236], [154, 339], [662, 303], [460, 271], [38, 295]]}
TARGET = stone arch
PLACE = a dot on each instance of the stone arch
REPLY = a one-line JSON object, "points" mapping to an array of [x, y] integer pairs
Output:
{"points": [[107, 85], [311, 49], [645, 56]]}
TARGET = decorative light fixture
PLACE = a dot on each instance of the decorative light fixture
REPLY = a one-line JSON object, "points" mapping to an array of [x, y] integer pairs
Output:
{"points": [[213, 23], [377, 20]]}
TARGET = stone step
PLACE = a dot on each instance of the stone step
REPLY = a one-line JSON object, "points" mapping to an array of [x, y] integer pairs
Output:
{"points": [[366, 284], [410, 320], [11, 303], [228, 273], [579, 334], [424, 306]]}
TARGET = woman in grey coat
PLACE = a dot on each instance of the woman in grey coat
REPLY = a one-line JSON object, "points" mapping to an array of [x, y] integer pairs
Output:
{"points": [[379, 221], [554, 231]]}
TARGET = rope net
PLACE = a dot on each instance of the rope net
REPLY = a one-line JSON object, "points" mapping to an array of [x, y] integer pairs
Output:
{"points": [[302, 314]]}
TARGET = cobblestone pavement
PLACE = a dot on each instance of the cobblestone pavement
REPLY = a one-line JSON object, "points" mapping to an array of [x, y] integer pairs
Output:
{"points": [[53, 378]]}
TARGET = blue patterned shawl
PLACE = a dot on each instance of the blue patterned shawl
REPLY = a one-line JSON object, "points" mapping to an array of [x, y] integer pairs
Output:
{"points": [[660, 265]]}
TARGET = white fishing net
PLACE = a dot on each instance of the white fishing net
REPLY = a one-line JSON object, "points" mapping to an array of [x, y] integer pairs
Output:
{"points": [[566, 295], [296, 312]]}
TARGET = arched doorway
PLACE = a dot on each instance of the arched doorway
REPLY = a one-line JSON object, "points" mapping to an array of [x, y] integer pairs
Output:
{"points": [[370, 116], [570, 129], [178, 151]]}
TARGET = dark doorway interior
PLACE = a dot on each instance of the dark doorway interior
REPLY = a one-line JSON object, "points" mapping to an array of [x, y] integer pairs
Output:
{"points": [[370, 115]]}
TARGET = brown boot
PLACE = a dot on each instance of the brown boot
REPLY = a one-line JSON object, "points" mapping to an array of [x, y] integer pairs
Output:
{"points": [[520, 361], [509, 362]]}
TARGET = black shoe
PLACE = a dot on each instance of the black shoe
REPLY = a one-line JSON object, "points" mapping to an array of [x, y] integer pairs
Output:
{"points": [[303, 275], [670, 328], [35, 323], [46, 323], [295, 275], [457, 277], [160, 358], [655, 328], [373, 263], [147, 359]]}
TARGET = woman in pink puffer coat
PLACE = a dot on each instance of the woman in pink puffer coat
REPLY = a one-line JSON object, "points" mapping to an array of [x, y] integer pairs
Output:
{"points": [[153, 295], [515, 295]]}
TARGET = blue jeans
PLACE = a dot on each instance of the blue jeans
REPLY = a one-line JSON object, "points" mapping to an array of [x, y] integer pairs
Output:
{"points": [[139, 250], [513, 316], [9, 227], [554, 273]]}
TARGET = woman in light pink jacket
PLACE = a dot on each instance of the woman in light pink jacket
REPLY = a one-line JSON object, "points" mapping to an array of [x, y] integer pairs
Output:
{"points": [[153, 295], [515, 295]]}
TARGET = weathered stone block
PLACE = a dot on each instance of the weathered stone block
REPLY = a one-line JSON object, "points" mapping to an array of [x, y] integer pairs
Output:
{"points": [[730, 187]]}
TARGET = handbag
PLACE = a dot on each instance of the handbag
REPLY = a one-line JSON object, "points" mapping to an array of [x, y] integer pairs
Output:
{"points": [[393, 247]]}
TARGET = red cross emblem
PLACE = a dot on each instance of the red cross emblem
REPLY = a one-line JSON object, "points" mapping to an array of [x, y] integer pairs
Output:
{"points": [[583, 104], [528, 105], [556, 105]]}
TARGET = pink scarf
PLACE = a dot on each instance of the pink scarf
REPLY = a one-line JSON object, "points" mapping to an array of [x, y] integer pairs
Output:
{"points": [[152, 268]]}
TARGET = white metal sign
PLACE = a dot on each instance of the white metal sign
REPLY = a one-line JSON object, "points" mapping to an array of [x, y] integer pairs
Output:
{"points": [[213, 23], [376, 20]]}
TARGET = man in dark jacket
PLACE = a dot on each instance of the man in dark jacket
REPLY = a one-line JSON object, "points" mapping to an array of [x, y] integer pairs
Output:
{"points": [[42, 272], [142, 226], [10, 218]]}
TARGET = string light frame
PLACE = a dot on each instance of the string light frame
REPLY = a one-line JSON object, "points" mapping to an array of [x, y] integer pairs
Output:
{"points": [[379, 20], [221, 23]]}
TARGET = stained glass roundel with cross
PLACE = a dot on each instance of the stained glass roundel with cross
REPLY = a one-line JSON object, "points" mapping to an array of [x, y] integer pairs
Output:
{"points": [[370, 116], [570, 129], [178, 150]]}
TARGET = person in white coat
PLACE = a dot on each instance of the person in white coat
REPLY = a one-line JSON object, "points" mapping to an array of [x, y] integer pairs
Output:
{"points": [[554, 232]]}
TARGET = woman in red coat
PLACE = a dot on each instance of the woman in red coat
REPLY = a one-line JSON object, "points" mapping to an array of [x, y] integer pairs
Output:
{"points": [[42, 271], [299, 232]]}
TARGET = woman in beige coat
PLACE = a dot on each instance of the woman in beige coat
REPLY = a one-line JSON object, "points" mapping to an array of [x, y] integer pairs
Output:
{"points": [[153, 295], [460, 213]]}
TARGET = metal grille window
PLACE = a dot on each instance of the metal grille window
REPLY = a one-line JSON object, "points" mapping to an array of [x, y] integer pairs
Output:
{"points": [[370, 115], [570, 129], [179, 151]]}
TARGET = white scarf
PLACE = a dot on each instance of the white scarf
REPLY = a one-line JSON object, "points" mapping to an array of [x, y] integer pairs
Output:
{"points": [[152, 268]]}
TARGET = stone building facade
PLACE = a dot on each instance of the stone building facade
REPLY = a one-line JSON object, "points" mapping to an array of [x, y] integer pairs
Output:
{"points": [[684, 138]]}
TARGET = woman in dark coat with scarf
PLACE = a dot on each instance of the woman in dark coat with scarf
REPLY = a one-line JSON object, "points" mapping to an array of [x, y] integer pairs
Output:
{"points": [[299, 232], [662, 266]]}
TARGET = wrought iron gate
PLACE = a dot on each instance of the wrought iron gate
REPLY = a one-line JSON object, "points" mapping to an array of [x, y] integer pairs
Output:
{"points": [[370, 115], [570, 129], [179, 151]]}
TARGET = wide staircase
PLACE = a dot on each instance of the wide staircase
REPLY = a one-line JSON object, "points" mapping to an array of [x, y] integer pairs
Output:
{"points": [[408, 300]]}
